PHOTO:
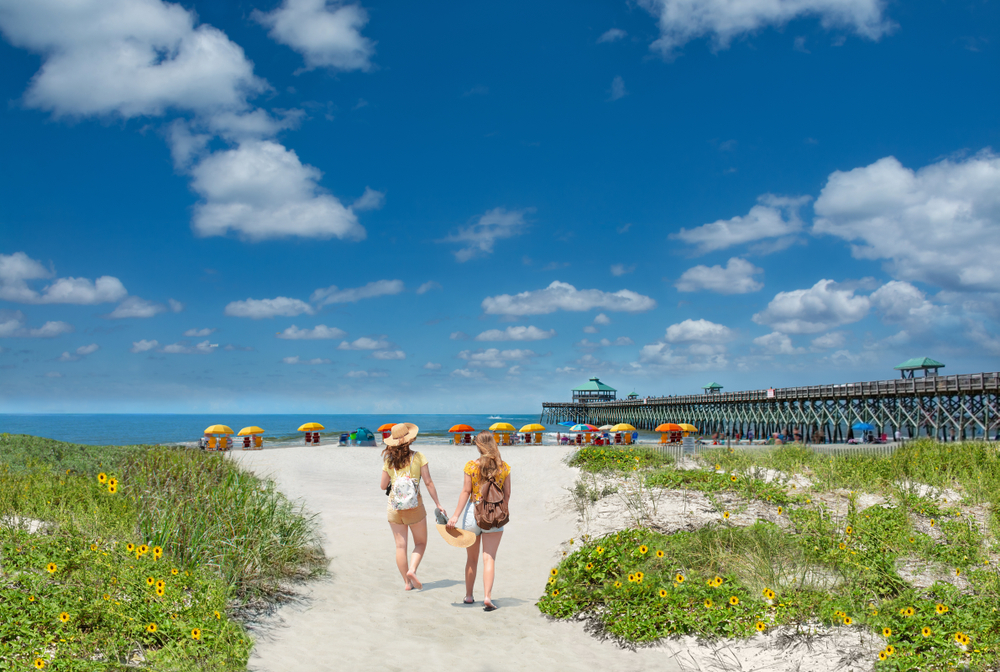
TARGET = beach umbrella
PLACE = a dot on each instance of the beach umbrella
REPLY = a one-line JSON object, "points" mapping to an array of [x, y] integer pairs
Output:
{"points": [[583, 428], [533, 427], [863, 427], [247, 431], [311, 427], [218, 429], [623, 427], [460, 428], [668, 427], [567, 423], [501, 427], [387, 427], [688, 428], [605, 428]]}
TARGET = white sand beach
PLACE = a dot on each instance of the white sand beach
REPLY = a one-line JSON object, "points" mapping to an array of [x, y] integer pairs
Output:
{"points": [[361, 618]]}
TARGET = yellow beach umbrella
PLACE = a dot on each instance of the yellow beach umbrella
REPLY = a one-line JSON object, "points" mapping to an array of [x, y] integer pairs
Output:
{"points": [[501, 427], [219, 429], [247, 431], [533, 427], [311, 427], [623, 427], [688, 428]]}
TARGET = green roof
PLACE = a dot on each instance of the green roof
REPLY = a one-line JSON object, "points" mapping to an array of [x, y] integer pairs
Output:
{"points": [[594, 385], [712, 386], [633, 394], [919, 363]]}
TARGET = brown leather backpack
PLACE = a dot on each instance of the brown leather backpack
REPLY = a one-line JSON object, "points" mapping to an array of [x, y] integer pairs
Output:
{"points": [[491, 509]]}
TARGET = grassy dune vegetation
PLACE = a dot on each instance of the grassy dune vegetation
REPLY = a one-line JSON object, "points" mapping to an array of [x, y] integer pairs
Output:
{"points": [[902, 546], [138, 555]]}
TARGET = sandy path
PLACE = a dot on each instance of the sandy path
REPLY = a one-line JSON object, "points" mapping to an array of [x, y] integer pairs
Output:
{"points": [[360, 618]]}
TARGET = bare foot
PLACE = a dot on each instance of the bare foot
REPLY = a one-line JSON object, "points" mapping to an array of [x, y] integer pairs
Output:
{"points": [[488, 605], [469, 599], [407, 586], [413, 579]]}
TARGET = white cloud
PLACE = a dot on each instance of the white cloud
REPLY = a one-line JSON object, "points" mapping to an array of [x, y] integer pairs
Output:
{"points": [[356, 374], [260, 190], [331, 294], [133, 306], [492, 358], [199, 333], [18, 268], [494, 225], [327, 34], [427, 286], [365, 343], [459, 336], [127, 57], [698, 331], [617, 89], [681, 21], [389, 354], [900, 302], [661, 356], [835, 339], [311, 362], [563, 296], [529, 333], [976, 332], [202, 348], [80, 353], [144, 345], [604, 343], [320, 331], [621, 269], [370, 200], [591, 329], [54, 374], [773, 217], [808, 311], [602, 320], [175, 306], [257, 309], [11, 322], [777, 343], [735, 278], [467, 373], [611, 35], [432, 366], [50, 329], [939, 224]]}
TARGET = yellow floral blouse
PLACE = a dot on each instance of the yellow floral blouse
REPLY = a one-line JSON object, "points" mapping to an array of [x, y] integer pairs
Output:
{"points": [[472, 469]]}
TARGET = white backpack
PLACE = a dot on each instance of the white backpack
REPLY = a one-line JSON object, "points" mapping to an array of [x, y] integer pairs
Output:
{"points": [[405, 492]]}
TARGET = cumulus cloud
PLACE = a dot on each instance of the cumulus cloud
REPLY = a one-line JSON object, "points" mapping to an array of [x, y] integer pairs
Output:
{"points": [[939, 224], [602, 320], [681, 21], [12, 323], [611, 35], [18, 268], [478, 238], [617, 89], [133, 306], [331, 294], [459, 336], [326, 34], [774, 217], [528, 333], [365, 343], [835, 339], [144, 345], [737, 277], [297, 360], [698, 331], [604, 343], [432, 366], [80, 353], [808, 311], [467, 373], [175, 306], [777, 343], [901, 303], [662, 356], [427, 286], [563, 296], [621, 269], [389, 354], [493, 358], [370, 200], [202, 348], [199, 333], [257, 309], [320, 331]]}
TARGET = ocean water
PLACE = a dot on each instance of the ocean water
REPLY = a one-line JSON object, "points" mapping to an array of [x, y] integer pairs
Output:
{"points": [[129, 429]]}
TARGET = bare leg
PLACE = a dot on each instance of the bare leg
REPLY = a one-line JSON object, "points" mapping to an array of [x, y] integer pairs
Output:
{"points": [[419, 531], [400, 535], [491, 542], [471, 563]]}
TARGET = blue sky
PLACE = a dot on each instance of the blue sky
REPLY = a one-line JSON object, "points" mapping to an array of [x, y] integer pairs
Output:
{"points": [[309, 206]]}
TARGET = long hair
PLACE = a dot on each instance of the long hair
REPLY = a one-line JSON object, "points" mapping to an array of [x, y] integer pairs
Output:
{"points": [[489, 455], [397, 457]]}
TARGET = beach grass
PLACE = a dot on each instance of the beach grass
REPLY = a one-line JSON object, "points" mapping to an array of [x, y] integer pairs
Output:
{"points": [[139, 555], [919, 569]]}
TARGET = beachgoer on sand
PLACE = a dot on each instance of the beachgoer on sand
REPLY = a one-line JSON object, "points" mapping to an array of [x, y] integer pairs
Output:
{"points": [[403, 470], [477, 506]]}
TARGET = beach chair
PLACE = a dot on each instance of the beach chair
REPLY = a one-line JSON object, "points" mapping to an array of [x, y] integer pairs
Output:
{"points": [[579, 439], [246, 442], [344, 438], [258, 442], [211, 443]]}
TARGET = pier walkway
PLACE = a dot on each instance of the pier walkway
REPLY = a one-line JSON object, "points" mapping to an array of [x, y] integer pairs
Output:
{"points": [[944, 407]]}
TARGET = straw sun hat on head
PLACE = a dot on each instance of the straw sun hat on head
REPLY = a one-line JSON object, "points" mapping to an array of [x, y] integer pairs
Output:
{"points": [[404, 432]]}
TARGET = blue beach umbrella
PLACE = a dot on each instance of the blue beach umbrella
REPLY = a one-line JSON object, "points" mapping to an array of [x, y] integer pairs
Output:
{"points": [[863, 427], [567, 424]]}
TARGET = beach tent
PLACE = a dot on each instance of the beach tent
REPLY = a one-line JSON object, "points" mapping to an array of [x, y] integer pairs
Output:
{"points": [[533, 428], [364, 437], [463, 433], [252, 439]]}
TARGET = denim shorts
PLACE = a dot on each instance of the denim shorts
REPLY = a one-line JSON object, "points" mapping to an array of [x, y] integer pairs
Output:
{"points": [[467, 521]]}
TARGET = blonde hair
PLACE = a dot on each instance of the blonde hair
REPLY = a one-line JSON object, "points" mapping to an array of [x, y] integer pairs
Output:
{"points": [[489, 460], [397, 457]]}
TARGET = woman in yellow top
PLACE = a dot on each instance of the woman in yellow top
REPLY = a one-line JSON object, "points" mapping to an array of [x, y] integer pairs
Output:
{"points": [[401, 461], [489, 465]]}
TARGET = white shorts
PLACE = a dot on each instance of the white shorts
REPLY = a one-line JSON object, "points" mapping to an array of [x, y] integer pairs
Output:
{"points": [[467, 521]]}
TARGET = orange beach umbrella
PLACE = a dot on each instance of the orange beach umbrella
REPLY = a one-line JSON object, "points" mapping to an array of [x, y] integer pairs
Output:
{"points": [[460, 428], [668, 427], [387, 427]]}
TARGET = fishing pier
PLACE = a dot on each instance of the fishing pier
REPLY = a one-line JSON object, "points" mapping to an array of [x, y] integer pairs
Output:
{"points": [[944, 407]]}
